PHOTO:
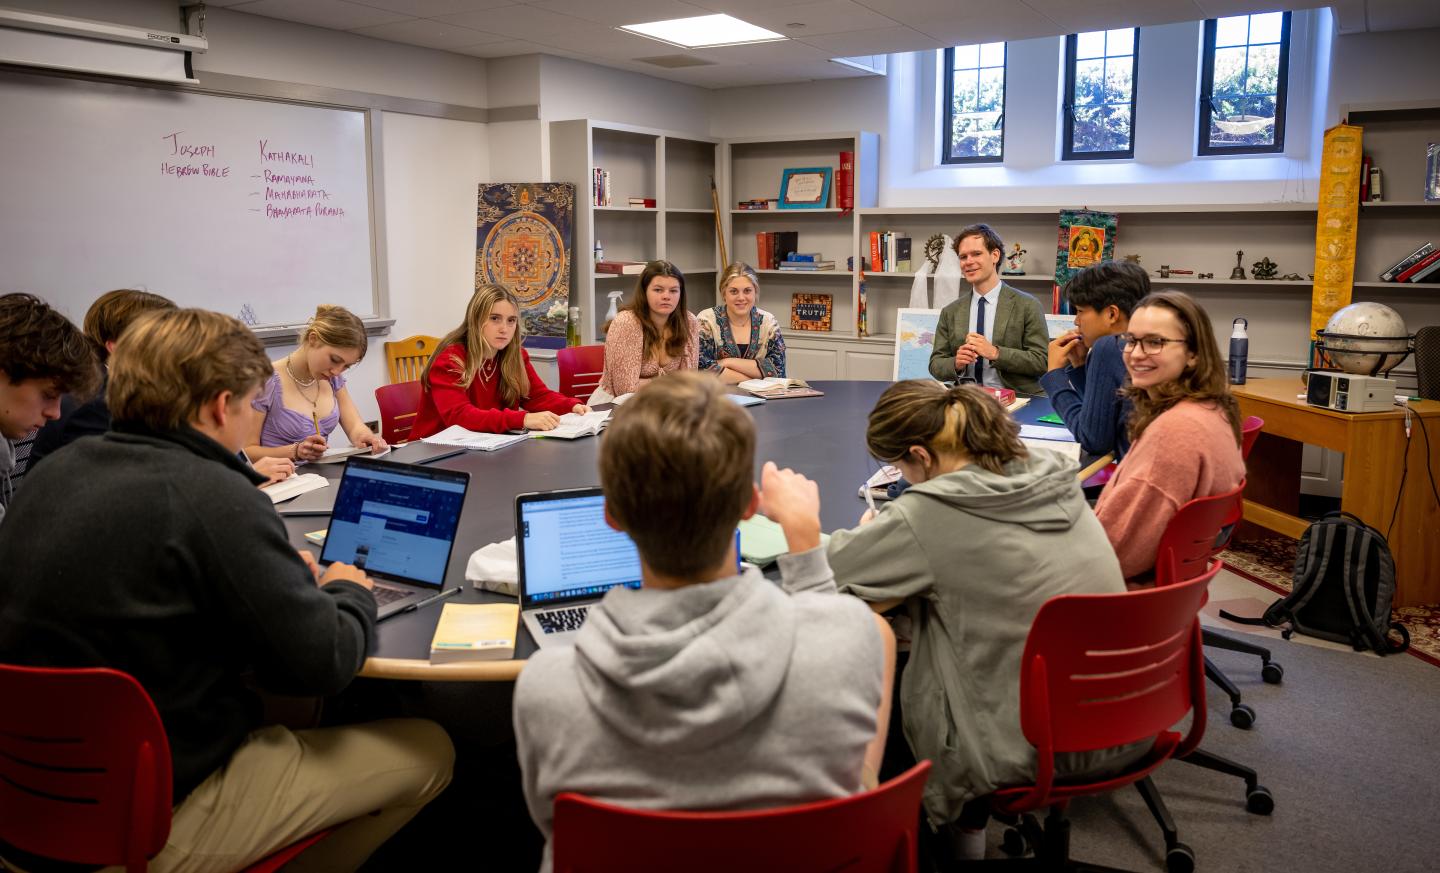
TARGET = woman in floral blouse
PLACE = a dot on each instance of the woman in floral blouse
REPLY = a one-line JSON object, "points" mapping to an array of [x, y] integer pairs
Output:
{"points": [[739, 340]]}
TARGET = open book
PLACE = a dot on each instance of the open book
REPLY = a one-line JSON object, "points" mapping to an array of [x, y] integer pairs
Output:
{"points": [[457, 436], [296, 485], [779, 387], [336, 454], [573, 426], [879, 483]]}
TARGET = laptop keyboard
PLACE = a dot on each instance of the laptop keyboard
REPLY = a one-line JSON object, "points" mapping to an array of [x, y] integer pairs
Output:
{"points": [[557, 621], [385, 594]]}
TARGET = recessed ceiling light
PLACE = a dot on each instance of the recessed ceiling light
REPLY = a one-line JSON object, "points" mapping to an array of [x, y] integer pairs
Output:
{"points": [[703, 31]]}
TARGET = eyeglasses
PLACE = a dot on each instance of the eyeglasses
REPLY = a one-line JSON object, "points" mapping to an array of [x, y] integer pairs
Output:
{"points": [[1150, 345]]}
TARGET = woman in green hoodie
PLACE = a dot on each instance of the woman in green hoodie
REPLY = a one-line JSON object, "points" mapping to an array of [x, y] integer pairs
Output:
{"points": [[989, 531]]}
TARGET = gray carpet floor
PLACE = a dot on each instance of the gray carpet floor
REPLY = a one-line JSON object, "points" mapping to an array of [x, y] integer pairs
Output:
{"points": [[1350, 747]]}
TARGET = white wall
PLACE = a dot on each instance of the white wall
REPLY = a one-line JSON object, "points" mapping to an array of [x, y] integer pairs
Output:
{"points": [[1383, 67]]}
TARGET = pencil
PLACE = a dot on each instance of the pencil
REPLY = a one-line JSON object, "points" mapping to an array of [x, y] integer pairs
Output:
{"points": [[315, 417]]}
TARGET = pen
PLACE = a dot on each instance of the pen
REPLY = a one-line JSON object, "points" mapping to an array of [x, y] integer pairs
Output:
{"points": [[434, 598], [870, 500]]}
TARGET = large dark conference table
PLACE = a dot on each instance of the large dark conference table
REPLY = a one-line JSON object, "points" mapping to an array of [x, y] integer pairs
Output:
{"points": [[821, 437]]}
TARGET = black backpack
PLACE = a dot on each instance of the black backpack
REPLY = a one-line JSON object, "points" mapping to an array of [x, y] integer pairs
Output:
{"points": [[1343, 583]]}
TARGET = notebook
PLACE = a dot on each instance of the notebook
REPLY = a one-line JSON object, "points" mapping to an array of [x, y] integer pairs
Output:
{"points": [[296, 485], [397, 522], [568, 557], [458, 437]]}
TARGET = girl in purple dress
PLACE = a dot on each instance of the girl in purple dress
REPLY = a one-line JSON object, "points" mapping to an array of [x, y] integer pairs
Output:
{"points": [[306, 395]]}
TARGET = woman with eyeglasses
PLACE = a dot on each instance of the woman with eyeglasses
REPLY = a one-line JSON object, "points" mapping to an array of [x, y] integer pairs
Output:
{"points": [[1184, 427]]}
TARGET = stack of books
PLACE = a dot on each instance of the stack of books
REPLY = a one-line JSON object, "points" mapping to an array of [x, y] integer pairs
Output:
{"points": [[751, 205], [889, 252], [600, 187], [1421, 265], [620, 268], [642, 202], [806, 261]]}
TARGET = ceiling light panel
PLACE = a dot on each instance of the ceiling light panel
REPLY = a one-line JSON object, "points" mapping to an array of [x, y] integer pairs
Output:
{"points": [[703, 31]]}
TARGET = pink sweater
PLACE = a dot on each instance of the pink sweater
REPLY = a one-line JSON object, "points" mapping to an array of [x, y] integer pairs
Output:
{"points": [[625, 367], [1188, 452]]}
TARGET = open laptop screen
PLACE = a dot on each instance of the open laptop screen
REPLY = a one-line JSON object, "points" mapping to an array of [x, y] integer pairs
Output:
{"points": [[396, 520], [567, 551]]}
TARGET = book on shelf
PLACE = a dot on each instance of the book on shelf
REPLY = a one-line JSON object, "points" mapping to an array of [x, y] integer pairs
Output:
{"points": [[600, 187], [642, 202], [779, 388], [756, 204], [875, 260], [1429, 273], [475, 632], [807, 266], [902, 255], [845, 182], [772, 247], [620, 268], [1376, 192], [806, 256], [1407, 262], [810, 312], [1365, 161], [1432, 171], [1421, 266]]}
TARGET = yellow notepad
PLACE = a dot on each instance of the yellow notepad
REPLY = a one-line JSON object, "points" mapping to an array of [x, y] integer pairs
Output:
{"points": [[475, 632]]}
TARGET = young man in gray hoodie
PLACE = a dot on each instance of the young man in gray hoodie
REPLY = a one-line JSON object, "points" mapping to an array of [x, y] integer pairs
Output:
{"points": [[705, 689]]}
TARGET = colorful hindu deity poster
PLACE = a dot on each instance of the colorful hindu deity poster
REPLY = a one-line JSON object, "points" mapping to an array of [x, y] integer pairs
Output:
{"points": [[1086, 239], [524, 235], [1339, 207]]}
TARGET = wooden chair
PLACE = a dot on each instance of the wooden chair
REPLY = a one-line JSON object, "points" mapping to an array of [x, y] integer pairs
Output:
{"points": [[407, 357], [399, 405], [580, 370], [875, 831], [85, 769]]}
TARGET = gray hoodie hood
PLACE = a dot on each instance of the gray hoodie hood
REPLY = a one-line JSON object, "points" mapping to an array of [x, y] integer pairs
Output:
{"points": [[683, 669], [1037, 491]]}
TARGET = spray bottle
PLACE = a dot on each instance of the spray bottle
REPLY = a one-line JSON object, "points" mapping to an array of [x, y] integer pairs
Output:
{"points": [[614, 309], [1239, 351]]}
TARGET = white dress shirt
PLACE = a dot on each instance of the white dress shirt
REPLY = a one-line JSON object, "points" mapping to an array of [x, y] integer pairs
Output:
{"points": [[989, 376]]}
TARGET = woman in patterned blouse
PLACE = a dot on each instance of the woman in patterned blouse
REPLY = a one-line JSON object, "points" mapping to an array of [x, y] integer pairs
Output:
{"points": [[739, 340], [654, 334]]}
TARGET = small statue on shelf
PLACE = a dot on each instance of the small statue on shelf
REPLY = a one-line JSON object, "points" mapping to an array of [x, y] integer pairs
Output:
{"points": [[1205, 276], [1239, 271], [933, 247], [1292, 277], [1014, 262], [1264, 269], [1164, 271], [1134, 259]]}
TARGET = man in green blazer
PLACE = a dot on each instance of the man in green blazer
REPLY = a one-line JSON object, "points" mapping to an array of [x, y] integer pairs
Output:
{"points": [[993, 334]]}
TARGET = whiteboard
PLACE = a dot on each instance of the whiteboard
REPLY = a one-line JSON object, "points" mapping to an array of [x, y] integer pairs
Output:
{"points": [[213, 201]]}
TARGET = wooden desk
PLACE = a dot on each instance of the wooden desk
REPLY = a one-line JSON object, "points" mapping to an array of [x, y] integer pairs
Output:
{"points": [[822, 438], [1375, 452]]}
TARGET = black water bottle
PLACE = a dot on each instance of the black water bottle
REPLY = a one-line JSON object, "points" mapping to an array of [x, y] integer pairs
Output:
{"points": [[1239, 351]]}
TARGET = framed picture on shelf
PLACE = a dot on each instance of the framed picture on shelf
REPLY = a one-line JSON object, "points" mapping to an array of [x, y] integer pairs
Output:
{"points": [[805, 188], [810, 312]]}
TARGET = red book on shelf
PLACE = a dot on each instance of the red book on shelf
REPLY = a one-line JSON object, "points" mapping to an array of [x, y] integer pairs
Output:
{"points": [[845, 183], [875, 251], [1364, 178], [1420, 265], [760, 250]]}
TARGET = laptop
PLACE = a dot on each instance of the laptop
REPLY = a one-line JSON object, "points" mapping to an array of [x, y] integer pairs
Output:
{"points": [[397, 522], [567, 558]]}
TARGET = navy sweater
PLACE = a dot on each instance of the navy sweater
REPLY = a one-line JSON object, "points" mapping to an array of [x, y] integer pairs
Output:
{"points": [[1088, 398]]}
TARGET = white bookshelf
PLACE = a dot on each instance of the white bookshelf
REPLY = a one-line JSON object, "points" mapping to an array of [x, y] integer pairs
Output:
{"points": [[672, 167]]}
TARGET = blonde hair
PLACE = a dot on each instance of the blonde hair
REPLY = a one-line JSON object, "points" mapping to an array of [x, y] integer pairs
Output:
{"points": [[337, 327], [963, 419], [740, 270], [172, 362], [514, 384], [676, 465]]}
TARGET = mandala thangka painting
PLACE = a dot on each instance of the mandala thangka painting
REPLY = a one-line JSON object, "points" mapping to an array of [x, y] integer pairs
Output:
{"points": [[524, 235]]}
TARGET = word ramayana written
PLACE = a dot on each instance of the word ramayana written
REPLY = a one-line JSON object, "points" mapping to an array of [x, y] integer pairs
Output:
{"points": [[282, 179], [303, 211], [180, 171], [284, 157]]}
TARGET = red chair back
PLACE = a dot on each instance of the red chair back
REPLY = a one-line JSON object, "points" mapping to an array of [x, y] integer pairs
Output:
{"points": [[580, 370], [1199, 530], [1249, 432], [84, 766], [399, 404], [1102, 670], [873, 831]]}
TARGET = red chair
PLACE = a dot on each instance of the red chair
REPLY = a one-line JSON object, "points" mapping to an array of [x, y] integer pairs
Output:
{"points": [[580, 370], [1249, 432], [85, 769], [1098, 671], [876, 831], [399, 404]]}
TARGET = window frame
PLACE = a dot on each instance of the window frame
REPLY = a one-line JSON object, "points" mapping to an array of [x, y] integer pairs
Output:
{"points": [[1203, 147], [947, 141], [1067, 105]]}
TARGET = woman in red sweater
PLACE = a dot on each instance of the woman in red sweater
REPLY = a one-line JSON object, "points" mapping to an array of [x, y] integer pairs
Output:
{"points": [[1185, 427], [481, 379]]}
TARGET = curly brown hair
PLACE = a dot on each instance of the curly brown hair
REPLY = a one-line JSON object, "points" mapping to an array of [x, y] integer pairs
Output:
{"points": [[1205, 382], [37, 342]]}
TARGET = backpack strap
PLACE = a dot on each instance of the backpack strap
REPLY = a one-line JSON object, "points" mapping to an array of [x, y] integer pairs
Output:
{"points": [[1393, 648], [1305, 587]]}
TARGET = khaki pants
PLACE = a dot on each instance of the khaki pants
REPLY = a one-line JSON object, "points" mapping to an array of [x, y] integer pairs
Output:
{"points": [[280, 786]]}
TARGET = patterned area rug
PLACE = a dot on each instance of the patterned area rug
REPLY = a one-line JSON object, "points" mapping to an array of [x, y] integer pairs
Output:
{"points": [[1269, 562]]}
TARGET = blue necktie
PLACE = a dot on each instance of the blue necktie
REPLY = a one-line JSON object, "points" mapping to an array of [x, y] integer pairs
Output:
{"points": [[980, 329]]}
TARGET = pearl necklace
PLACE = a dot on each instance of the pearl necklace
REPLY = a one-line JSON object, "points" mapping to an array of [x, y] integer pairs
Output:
{"points": [[296, 379]]}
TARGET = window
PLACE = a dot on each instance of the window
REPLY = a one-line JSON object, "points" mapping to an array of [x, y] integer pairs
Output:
{"points": [[975, 104], [1242, 84], [1100, 94]]}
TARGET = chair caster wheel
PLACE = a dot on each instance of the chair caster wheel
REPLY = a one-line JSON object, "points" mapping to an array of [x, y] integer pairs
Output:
{"points": [[1013, 843], [1242, 717], [1272, 673], [1180, 859], [1259, 800]]}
